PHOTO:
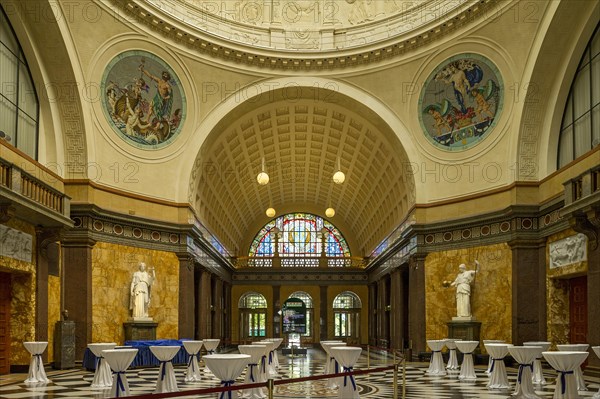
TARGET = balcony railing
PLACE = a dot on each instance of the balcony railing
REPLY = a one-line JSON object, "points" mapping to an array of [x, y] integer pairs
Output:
{"points": [[22, 183], [299, 261]]}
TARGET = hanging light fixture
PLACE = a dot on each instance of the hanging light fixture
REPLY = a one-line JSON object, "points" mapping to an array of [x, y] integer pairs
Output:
{"points": [[330, 212], [270, 212], [263, 177], [339, 176]]}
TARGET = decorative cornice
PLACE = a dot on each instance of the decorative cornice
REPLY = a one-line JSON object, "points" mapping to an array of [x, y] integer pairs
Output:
{"points": [[276, 59], [300, 275]]}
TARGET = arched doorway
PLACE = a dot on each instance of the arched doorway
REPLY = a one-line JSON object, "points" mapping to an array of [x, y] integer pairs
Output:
{"points": [[346, 317], [253, 316]]}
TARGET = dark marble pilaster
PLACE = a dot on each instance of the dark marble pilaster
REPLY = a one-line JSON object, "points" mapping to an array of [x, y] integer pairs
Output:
{"points": [[373, 314], [323, 321], [204, 299], [529, 290], [416, 304], [217, 320], [77, 288], [186, 319], [399, 308]]}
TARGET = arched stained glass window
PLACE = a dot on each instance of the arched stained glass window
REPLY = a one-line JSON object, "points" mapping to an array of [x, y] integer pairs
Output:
{"points": [[346, 315], [300, 236], [252, 300], [347, 300]]}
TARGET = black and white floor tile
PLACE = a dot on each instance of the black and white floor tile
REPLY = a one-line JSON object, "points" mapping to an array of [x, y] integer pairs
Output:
{"points": [[71, 384]]}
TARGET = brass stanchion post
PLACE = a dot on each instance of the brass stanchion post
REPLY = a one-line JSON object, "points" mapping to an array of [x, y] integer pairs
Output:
{"points": [[368, 356], [404, 378], [270, 388], [395, 381]]}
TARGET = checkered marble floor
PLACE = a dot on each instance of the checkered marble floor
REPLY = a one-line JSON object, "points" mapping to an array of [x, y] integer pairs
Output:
{"points": [[76, 383]]}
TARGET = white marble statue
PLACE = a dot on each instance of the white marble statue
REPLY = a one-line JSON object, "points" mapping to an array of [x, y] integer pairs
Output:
{"points": [[462, 282], [141, 286]]}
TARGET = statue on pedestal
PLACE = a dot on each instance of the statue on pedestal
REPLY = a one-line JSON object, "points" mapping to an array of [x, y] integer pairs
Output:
{"points": [[141, 286], [462, 282]]}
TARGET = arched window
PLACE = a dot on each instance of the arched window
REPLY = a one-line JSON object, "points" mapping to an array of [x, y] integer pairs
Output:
{"points": [[307, 299], [580, 129], [301, 235], [19, 109], [346, 316], [253, 315]]}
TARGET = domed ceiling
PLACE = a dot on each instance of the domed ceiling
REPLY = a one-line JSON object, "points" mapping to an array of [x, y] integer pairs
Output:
{"points": [[307, 34]]}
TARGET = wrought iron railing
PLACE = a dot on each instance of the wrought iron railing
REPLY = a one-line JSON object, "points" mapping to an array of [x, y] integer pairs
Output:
{"points": [[299, 261]]}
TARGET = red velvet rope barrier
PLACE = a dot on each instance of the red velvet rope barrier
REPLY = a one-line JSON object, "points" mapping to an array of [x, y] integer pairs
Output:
{"points": [[205, 391]]}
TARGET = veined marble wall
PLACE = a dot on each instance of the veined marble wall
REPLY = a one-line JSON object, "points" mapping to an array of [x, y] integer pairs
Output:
{"points": [[112, 269], [23, 302], [53, 311], [557, 289], [491, 292]]}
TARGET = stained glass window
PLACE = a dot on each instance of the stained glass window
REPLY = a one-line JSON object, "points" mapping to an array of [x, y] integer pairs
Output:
{"points": [[300, 235]]}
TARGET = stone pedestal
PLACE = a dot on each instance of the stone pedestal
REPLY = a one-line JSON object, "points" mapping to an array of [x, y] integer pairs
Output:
{"points": [[140, 330], [465, 330], [64, 345]]}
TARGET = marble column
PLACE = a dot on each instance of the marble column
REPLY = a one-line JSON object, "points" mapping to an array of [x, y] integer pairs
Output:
{"points": [[204, 298], [44, 238], [416, 304], [529, 290], [323, 322], [372, 314], [276, 331], [227, 311], [77, 288], [382, 314], [588, 223], [217, 321], [399, 308], [186, 297]]}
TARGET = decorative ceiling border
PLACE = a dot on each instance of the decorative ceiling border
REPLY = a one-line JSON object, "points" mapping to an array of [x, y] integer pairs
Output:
{"points": [[286, 60]]}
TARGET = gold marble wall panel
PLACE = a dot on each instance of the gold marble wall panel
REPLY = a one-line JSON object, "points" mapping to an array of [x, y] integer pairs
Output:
{"points": [[53, 311], [23, 299], [491, 292], [557, 291], [236, 293], [112, 269]]}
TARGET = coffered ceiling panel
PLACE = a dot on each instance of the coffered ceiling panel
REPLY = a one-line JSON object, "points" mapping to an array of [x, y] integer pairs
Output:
{"points": [[302, 142]]}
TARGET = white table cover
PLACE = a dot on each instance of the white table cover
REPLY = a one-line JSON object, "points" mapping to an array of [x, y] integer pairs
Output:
{"points": [[498, 377], [436, 365], [271, 369], [226, 367], [256, 353], [103, 374], [524, 355], [467, 368], [578, 373], [36, 374], [119, 360], [452, 358], [347, 357], [333, 364], [211, 346], [326, 349], [263, 371], [538, 372], [166, 381], [278, 341], [192, 373], [596, 350], [491, 341], [565, 363]]}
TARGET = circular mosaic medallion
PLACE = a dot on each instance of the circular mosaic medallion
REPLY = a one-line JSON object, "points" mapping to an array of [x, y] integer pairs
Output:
{"points": [[461, 102], [143, 100]]}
